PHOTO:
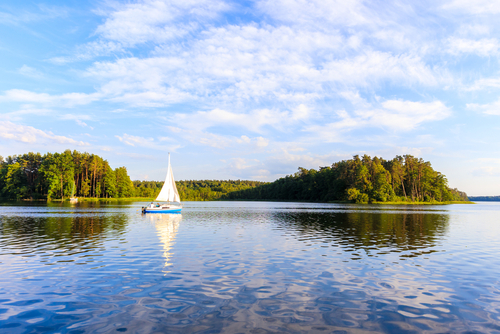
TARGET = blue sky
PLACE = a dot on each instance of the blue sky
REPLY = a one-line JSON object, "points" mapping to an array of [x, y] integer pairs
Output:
{"points": [[254, 89]]}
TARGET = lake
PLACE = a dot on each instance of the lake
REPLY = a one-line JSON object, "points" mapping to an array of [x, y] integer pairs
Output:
{"points": [[250, 267]]}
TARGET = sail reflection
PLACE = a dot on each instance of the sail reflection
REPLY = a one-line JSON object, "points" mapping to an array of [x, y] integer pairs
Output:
{"points": [[166, 228]]}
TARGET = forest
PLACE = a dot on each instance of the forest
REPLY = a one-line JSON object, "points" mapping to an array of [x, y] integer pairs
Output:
{"points": [[84, 175], [61, 175], [204, 190], [360, 180]]}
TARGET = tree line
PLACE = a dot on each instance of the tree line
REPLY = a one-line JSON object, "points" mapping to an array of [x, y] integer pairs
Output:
{"points": [[72, 173], [61, 175], [202, 190], [485, 198], [360, 180]]}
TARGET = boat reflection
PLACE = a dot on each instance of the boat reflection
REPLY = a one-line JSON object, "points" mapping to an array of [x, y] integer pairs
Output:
{"points": [[166, 227]]}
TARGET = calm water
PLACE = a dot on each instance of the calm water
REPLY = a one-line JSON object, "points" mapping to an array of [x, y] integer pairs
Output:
{"points": [[250, 267]]}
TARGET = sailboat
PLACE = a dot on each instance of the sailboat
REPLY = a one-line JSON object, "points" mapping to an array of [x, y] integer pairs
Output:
{"points": [[167, 194]]}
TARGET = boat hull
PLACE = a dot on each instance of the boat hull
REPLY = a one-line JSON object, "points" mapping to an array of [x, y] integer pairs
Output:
{"points": [[160, 210]]}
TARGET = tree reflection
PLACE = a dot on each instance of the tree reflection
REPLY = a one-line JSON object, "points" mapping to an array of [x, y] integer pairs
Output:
{"points": [[369, 230], [63, 231]]}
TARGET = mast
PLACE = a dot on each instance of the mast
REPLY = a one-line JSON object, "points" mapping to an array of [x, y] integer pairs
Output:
{"points": [[168, 202]]}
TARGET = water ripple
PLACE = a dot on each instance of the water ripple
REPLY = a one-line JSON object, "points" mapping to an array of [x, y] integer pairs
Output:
{"points": [[249, 267]]}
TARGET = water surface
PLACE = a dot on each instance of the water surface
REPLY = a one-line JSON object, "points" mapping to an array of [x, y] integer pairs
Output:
{"points": [[249, 267]]}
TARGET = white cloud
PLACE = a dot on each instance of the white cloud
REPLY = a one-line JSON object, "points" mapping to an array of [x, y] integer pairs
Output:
{"points": [[259, 142], [406, 115], [22, 16], [473, 29], [262, 142], [487, 171], [157, 21], [474, 7], [487, 167], [136, 140], [83, 124], [284, 162], [261, 174], [254, 121], [30, 135], [208, 139], [246, 79], [492, 108], [76, 117], [374, 66], [240, 163], [394, 115], [355, 99], [482, 47], [26, 109], [481, 84], [150, 143], [30, 72], [335, 131], [196, 134], [338, 12], [144, 82], [232, 65], [89, 51], [65, 100]]}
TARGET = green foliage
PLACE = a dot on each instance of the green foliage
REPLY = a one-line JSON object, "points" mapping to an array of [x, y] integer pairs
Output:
{"points": [[124, 186], [360, 180], [14, 181], [61, 175], [58, 172], [110, 182], [203, 190]]}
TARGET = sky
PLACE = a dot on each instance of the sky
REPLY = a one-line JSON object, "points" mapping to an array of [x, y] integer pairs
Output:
{"points": [[254, 89]]}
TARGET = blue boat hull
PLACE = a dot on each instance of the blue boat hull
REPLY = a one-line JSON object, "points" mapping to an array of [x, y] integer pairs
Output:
{"points": [[147, 210]]}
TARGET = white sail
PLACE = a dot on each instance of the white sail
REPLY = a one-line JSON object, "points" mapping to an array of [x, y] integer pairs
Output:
{"points": [[169, 191]]}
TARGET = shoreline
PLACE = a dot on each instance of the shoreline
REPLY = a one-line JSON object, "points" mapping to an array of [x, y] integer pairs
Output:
{"points": [[149, 199]]}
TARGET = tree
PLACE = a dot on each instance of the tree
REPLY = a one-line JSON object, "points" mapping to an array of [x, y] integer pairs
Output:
{"points": [[124, 186], [58, 167], [110, 182], [15, 183]]}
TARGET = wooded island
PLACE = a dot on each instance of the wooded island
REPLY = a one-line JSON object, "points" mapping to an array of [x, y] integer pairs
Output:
{"points": [[359, 180]]}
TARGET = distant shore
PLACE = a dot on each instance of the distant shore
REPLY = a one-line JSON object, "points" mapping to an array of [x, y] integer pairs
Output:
{"points": [[485, 198], [150, 199]]}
